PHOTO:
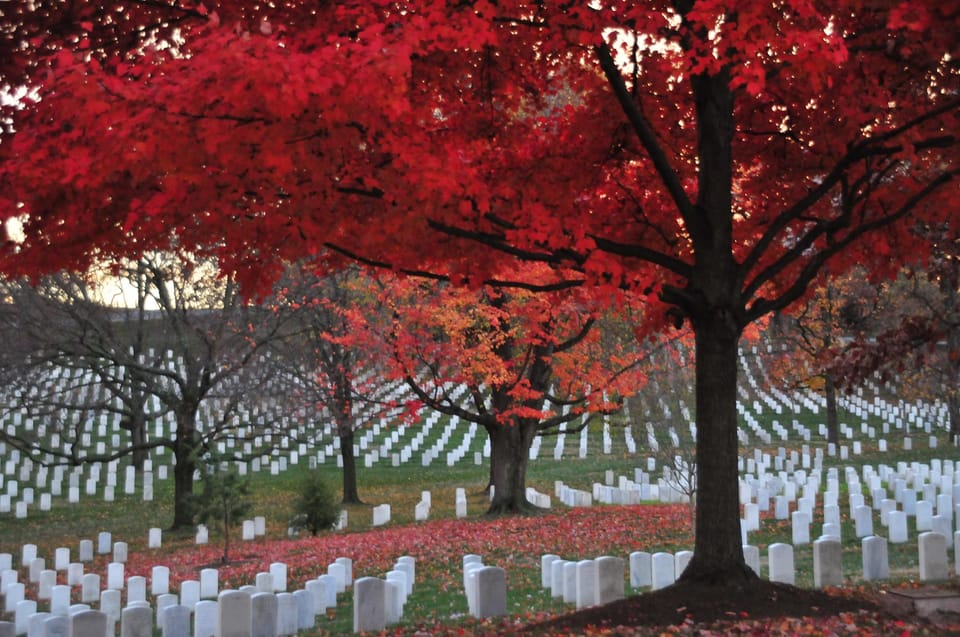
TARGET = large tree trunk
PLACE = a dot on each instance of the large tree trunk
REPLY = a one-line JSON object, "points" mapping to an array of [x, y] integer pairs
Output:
{"points": [[718, 550], [830, 391], [953, 410], [350, 493], [509, 452]]}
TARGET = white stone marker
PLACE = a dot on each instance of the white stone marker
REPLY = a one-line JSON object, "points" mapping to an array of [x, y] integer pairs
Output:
{"points": [[641, 569], [780, 563], [159, 580], [827, 569], [545, 570], [55, 625], [189, 593], [286, 614], [136, 589], [330, 584], [570, 582], [263, 610], [89, 623], [586, 583], [175, 621], [663, 570], [751, 555], [234, 615], [279, 572], [680, 561], [556, 577], [60, 600], [369, 605], [609, 584], [154, 538], [876, 564], [933, 557], [115, 576], [897, 527], [491, 592], [209, 587], [75, 574], [90, 588], [205, 617], [136, 621], [347, 564]]}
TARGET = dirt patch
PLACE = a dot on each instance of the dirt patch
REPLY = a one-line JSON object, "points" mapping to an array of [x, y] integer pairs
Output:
{"points": [[706, 604]]}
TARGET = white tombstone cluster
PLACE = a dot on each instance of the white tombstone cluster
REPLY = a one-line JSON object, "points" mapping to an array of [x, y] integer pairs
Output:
{"points": [[92, 604], [485, 587], [587, 582], [379, 602]]}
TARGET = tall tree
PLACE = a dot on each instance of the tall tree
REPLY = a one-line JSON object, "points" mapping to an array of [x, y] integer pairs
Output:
{"points": [[187, 340], [330, 362], [713, 154]]}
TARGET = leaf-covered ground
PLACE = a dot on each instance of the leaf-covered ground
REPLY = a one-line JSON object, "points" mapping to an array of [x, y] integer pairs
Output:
{"points": [[517, 544]]}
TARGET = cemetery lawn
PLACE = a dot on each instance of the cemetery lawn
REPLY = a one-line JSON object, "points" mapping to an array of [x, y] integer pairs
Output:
{"points": [[438, 606]]}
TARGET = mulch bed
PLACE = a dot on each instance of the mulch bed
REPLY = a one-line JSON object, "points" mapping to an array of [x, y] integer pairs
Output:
{"points": [[704, 605]]}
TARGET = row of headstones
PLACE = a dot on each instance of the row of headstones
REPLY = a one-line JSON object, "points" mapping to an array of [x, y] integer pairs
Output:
{"points": [[339, 574], [292, 611], [583, 582], [658, 570]]}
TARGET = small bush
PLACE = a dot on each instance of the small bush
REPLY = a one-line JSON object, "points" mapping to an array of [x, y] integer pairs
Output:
{"points": [[316, 508]]}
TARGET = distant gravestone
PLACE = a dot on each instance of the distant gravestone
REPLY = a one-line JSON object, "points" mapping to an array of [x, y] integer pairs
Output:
{"points": [[897, 527], [330, 588], [189, 593], [89, 588], [159, 580]]}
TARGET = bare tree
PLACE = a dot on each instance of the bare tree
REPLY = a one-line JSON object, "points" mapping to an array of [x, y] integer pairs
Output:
{"points": [[181, 339]]}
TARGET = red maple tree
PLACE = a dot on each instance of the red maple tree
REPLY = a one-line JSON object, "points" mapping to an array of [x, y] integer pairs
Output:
{"points": [[713, 155]]}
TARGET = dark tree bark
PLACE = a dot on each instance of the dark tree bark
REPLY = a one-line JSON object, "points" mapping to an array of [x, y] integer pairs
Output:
{"points": [[509, 454], [350, 493], [830, 392], [717, 555], [185, 456]]}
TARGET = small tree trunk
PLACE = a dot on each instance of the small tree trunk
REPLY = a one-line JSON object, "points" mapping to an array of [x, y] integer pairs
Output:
{"points": [[953, 410], [350, 493], [509, 452], [718, 553], [138, 437], [830, 391], [186, 455]]}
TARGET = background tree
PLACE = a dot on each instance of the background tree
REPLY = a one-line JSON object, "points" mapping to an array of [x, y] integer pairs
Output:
{"points": [[917, 337], [331, 361], [188, 340], [715, 156], [836, 312], [517, 364], [223, 498]]}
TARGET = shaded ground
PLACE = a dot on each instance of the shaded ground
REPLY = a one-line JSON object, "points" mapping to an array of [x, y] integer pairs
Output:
{"points": [[696, 604]]}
